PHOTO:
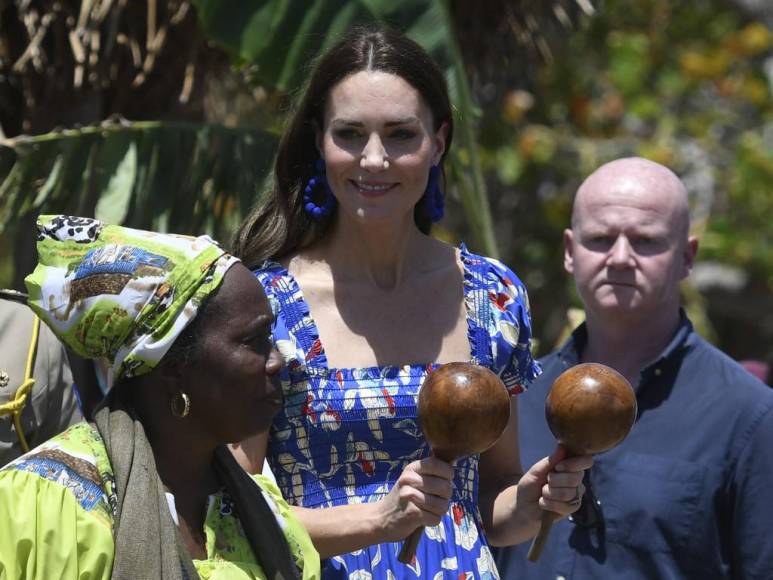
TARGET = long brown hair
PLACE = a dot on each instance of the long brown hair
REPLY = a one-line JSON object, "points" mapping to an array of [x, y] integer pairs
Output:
{"points": [[278, 224]]}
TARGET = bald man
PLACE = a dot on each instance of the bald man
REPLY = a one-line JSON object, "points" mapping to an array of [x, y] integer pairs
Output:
{"points": [[689, 493]]}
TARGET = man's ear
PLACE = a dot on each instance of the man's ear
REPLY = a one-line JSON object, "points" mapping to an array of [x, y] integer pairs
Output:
{"points": [[569, 251], [690, 251]]}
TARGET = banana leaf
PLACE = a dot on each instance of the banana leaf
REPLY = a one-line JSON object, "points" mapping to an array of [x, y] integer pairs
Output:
{"points": [[186, 178]]}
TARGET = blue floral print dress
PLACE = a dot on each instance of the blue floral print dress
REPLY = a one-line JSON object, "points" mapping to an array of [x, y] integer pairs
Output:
{"points": [[345, 434]]}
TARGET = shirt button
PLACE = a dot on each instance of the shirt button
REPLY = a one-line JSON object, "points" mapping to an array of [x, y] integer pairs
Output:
{"points": [[658, 372], [560, 577]]}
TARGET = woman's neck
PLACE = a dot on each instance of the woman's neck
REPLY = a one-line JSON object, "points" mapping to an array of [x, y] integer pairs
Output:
{"points": [[184, 457], [382, 254], [183, 461], [188, 474]]}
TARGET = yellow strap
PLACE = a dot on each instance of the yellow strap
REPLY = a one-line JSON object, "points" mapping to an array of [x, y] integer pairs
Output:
{"points": [[16, 405]]}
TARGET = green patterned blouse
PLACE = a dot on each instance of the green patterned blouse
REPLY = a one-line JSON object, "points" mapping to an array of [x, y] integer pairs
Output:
{"points": [[56, 518]]}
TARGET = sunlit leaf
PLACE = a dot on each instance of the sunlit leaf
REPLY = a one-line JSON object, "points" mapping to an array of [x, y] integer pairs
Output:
{"points": [[113, 204]]}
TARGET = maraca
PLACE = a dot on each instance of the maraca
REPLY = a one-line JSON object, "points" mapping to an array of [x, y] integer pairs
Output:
{"points": [[590, 408], [463, 409]]}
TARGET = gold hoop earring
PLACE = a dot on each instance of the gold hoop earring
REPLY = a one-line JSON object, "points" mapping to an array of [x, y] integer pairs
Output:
{"points": [[181, 405]]}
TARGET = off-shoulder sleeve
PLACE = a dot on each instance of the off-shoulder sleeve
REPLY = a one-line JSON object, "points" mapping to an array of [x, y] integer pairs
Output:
{"points": [[45, 533], [268, 274], [284, 298], [505, 314]]}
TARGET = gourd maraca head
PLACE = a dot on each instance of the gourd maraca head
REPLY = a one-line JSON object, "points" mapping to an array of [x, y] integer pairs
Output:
{"points": [[463, 409], [590, 408]]}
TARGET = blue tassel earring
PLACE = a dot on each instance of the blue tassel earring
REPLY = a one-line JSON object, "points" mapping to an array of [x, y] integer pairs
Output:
{"points": [[317, 212], [433, 195]]}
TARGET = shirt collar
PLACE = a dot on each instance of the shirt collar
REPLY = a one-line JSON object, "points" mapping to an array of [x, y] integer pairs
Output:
{"points": [[673, 350], [569, 353]]}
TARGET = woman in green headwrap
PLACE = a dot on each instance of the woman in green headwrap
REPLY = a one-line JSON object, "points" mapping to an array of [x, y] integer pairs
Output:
{"points": [[149, 490]]}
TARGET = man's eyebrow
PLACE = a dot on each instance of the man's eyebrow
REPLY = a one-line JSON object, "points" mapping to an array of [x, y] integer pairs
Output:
{"points": [[596, 228]]}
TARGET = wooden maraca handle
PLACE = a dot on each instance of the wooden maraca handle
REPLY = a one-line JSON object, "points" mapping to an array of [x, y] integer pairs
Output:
{"points": [[408, 551], [548, 517], [542, 536]]}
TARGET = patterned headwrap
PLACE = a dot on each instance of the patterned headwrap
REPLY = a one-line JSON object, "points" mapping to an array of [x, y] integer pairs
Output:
{"points": [[119, 293]]}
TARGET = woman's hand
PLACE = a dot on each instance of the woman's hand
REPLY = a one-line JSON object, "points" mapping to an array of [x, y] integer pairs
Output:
{"points": [[554, 483], [419, 498]]}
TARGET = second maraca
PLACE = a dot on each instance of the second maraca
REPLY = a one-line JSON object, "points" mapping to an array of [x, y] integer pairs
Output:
{"points": [[590, 408]]}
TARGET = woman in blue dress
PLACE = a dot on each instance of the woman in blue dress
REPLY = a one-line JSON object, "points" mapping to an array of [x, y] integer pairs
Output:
{"points": [[367, 303]]}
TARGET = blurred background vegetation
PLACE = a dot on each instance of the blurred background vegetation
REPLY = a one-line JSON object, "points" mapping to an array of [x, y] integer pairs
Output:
{"points": [[165, 115]]}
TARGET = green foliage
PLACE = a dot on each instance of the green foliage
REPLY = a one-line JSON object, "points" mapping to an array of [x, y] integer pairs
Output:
{"points": [[277, 39], [185, 178], [679, 83]]}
